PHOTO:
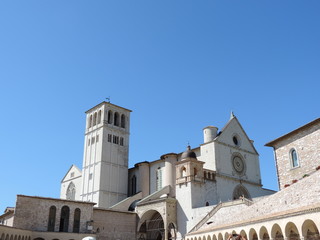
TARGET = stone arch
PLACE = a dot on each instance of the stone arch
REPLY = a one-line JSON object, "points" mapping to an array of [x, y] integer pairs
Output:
{"points": [[110, 116], [240, 191], [226, 236], [123, 121], [220, 237], [99, 117], [2, 236], [11, 237], [183, 171], [291, 231], [243, 234], [276, 232], [208, 237], [64, 219], [116, 119], [195, 238], [7, 237], [214, 237], [204, 238], [253, 234], [151, 225], [309, 230], [263, 233]]}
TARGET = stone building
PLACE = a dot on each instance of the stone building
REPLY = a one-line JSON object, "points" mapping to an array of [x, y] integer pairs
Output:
{"points": [[297, 153], [202, 193]]}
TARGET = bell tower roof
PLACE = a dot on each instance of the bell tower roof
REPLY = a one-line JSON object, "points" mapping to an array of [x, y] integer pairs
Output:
{"points": [[188, 154]]}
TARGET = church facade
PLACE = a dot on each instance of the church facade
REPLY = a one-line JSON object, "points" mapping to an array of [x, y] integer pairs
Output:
{"points": [[202, 193]]}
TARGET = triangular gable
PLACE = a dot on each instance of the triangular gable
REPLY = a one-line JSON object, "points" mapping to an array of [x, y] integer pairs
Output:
{"points": [[232, 127], [74, 169]]}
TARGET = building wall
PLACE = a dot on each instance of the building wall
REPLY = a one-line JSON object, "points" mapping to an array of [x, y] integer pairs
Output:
{"points": [[307, 145], [109, 224], [32, 213], [72, 177]]}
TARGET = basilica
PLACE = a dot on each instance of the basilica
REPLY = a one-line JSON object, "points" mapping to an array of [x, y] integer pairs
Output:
{"points": [[206, 192]]}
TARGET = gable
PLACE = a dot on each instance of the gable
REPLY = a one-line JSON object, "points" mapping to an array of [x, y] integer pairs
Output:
{"points": [[234, 135], [73, 172]]}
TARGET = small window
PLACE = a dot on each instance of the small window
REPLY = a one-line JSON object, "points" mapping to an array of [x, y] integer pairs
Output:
{"points": [[109, 137], [294, 158], [90, 176], [72, 174], [92, 140], [89, 142], [97, 138]]}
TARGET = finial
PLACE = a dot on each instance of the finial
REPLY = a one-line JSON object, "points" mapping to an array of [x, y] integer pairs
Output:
{"points": [[232, 115], [108, 99]]}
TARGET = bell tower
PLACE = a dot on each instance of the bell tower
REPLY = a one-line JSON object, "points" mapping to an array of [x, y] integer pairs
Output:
{"points": [[106, 149]]}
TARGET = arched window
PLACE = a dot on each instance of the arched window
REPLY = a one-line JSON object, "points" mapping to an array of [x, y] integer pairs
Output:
{"points": [[134, 185], [195, 172], [183, 172], [94, 119], [110, 116], [116, 119], [294, 158], [76, 221], [123, 121], [71, 192], [240, 191], [90, 121], [52, 218], [64, 219], [99, 117], [158, 179]]}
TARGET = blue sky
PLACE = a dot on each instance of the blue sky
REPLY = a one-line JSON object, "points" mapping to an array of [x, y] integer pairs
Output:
{"points": [[180, 65]]}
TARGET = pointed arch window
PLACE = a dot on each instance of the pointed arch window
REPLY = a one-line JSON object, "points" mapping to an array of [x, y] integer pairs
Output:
{"points": [[64, 219], [52, 218], [76, 221], [71, 192], [294, 158]]}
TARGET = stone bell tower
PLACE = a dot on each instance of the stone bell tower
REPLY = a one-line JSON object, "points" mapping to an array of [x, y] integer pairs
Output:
{"points": [[105, 160]]}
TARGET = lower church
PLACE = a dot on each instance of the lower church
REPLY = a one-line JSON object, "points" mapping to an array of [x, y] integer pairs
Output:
{"points": [[202, 193]]}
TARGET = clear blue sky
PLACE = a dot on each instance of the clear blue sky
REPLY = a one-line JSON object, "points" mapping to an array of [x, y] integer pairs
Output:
{"points": [[180, 65]]}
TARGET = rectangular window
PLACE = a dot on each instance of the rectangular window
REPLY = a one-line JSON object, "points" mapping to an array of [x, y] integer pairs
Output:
{"points": [[92, 140], [97, 138], [109, 137], [90, 176], [121, 141], [72, 174]]}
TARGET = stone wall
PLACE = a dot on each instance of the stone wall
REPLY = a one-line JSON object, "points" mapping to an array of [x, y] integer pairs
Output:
{"points": [[32, 213], [109, 224], [306, 142]]}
